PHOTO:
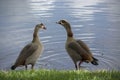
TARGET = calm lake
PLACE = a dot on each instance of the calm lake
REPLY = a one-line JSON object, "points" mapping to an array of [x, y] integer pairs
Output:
{"points": [[96, 22]]}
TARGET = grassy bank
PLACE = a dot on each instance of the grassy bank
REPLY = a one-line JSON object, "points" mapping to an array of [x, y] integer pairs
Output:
{"points": [[59, 75]]}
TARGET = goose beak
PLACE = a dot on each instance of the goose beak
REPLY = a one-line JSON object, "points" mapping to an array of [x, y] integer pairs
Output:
{"points": [[43, 27], [58, 22]]}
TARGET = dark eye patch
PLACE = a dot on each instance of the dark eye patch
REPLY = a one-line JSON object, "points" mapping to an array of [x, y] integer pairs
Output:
{"points": [[63, 21]]}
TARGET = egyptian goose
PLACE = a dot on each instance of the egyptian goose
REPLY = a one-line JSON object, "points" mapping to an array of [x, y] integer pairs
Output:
{"points": [[77, 49], [31, 52]]}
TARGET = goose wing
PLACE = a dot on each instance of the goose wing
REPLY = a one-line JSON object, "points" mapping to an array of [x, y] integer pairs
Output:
{"points": [[84, 46], [27, 51], [79, 50]]}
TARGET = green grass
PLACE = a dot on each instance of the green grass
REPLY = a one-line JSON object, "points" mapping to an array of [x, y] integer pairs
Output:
{"points": [[59, 75]]}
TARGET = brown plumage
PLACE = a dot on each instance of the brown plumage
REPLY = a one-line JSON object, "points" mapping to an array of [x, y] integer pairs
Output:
{"points": [[77, 49], [31, 51]]}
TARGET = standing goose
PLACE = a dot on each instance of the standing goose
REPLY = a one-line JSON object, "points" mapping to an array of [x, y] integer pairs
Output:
{"points": [[31, 51], [77, 49]]}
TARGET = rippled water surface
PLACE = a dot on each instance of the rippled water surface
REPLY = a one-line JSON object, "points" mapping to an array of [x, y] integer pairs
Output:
{"points": [[96, 22]]}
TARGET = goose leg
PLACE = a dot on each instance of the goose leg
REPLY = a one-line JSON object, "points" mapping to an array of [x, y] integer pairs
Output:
{"points": [[80, 64], [32, 66], [26, 67], [76, 66]]}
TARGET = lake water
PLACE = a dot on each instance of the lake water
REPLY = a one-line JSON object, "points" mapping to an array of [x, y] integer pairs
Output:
{"points": [[96, 22]]}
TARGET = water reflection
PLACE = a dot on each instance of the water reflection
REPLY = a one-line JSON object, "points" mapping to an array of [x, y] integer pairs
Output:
{"points": [[41, 6], [83, 9], [95, 22]]}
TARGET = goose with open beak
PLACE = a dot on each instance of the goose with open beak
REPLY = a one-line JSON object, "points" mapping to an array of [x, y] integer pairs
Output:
{"points": [[31, 52], [77, 49]]}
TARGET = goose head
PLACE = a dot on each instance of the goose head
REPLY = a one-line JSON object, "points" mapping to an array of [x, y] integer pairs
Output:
{"points": [[40, 26], [64, 23], [67, 26]]}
